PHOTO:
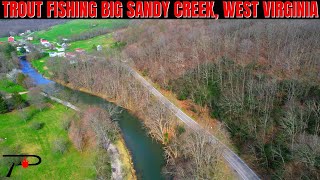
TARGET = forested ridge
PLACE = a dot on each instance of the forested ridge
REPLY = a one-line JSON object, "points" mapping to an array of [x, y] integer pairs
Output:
{"points": [[260, 78], [13, 27]]}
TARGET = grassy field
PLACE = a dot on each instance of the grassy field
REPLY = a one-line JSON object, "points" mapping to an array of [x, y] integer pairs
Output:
{"points": [[10, 87], [104, 41], [40, 65], [5, 39], [70, 165], [71, 28]]}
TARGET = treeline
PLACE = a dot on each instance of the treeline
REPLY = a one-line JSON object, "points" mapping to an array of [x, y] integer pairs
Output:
{"points": [[13, 27], [189, 154], [95, 129], [8, 58], [260, 78]]}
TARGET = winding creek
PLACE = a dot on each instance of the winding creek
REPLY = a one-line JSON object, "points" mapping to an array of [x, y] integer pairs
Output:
{"points": [[147, 154]]}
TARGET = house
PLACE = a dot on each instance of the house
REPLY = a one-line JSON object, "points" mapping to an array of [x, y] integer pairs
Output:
{"points": [[99, 48], [43, 41], [11, 39], [79, 50], [21, 34], [28, 31], [30, 38], [60, 49], [57, 54], [52, 54], [18, 48], [64, 45]]}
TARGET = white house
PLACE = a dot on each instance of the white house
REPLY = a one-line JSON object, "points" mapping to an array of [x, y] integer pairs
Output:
{"points": [[30, 38], [57, 54], [45, 43], [60, 49]]}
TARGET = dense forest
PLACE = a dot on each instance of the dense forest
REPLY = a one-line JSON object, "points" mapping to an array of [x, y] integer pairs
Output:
{"points": [[13, 27], [260, 78]]}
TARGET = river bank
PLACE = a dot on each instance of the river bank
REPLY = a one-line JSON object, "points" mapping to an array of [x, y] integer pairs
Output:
{"points": [[142, 156], [127, 168]]}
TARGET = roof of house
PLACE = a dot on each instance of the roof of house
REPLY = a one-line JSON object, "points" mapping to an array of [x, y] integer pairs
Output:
{"points": [[43, 40]]}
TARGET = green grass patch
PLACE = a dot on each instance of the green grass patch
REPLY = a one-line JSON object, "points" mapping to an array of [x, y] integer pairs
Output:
{"points": [[5, 39], [10, 87], [40, 65], [104, 40], [71, 28], [71, 164]]}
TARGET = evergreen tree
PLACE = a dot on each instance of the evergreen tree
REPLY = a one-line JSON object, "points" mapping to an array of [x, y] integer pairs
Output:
{"points": [[3, 105], [17, 101]]}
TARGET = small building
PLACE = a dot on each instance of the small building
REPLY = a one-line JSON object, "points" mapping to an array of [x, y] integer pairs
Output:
{"points": [[60, 49], [28, 31], [30, 38], [21, 34], [11, 39], [19, 48], [52, 54], [57, 54], [99, 48], [43, 41]]}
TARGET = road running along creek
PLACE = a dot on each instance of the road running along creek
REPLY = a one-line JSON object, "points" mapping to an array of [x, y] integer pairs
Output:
{"points": [[147, 154]]}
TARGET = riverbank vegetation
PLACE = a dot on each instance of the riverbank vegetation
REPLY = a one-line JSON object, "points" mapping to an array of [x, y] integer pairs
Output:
{"points": [[260, 79]]}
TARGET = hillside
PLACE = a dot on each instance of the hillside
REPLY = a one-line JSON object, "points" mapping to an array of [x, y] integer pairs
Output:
{"points": [[259, 78], [18, 25]]}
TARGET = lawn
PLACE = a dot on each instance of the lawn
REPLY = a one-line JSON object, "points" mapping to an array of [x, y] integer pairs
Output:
{"points": [[40, 65], [70, 165], [104, 41], [10, 87], [5, 39], [71, 28]]}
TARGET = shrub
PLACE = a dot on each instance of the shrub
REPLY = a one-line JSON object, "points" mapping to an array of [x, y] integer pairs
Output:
{"points": [[3, 105], [66, 124], [60, 146], [17, 101], [37, 125], [20, 79], [180, 129]]}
